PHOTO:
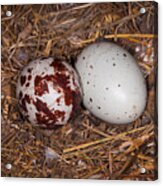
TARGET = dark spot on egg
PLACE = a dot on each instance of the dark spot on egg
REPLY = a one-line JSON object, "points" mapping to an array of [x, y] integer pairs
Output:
{"points": [[89, 74], [30, 70], [60, 114], [58, 100], [83, 57], [114, 64], [91, 66], [118, 118], [22, 80], [125, 55], [91, 100], [27, 85], [113, 58], [58, 66], [119, 85], [24, 101], [20, 94], [99, 107], [87, 82], [40, 85], [29, 77], [107, 88]]}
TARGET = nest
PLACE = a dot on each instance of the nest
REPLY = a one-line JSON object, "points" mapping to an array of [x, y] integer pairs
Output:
{"points": [[86, 147]]}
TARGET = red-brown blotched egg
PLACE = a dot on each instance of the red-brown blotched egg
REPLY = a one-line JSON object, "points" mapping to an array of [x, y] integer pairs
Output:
{"points": [[49, 92]]}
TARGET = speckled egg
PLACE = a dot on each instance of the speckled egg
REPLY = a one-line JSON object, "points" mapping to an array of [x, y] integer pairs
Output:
{"points": [[114, 88], [48, 91]]}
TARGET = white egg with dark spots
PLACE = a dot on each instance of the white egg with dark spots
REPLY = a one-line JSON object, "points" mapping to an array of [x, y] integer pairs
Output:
{"points": [[114, 88], [48, 91]]}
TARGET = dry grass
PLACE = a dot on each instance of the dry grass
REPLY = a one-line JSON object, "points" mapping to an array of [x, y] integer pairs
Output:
{"points": [[86, 147]]}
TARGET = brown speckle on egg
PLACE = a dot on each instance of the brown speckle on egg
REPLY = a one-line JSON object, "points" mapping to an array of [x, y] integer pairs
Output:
{"points": [[91, 67], [91, 100], [58, 100], [22, 80], [40, 85], [20, 94], [44, 115], [29, 77], [30, 70], [24, 101], [27, 85], [125, 55], [63, 81]]}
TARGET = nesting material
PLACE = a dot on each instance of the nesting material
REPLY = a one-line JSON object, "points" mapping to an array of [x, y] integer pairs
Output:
{"points": [[86, 146]]}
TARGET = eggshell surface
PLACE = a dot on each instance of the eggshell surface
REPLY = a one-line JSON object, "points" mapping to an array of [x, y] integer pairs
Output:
{"points": [[114, 88], [48, 92]]}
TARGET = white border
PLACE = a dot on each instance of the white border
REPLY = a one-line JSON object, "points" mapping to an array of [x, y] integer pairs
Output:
{"points": [[61, 182], [59, 1]]}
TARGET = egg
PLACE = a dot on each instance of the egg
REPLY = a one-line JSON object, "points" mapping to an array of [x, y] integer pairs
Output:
{"points": [[114, 88], [48, 92]]}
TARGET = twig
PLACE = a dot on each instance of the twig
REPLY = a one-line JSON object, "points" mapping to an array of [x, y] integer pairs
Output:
{"points": [[86, 145], [110, 36]]}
